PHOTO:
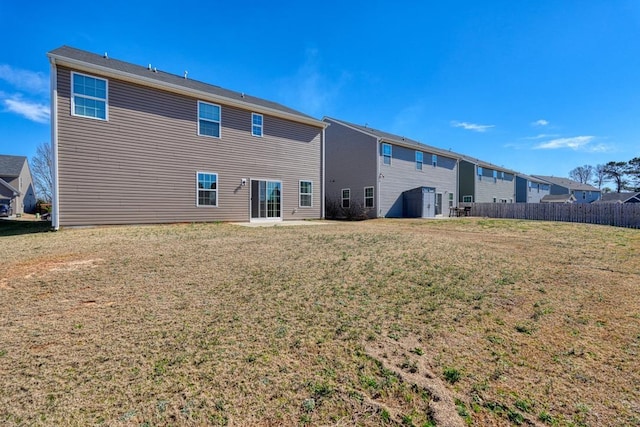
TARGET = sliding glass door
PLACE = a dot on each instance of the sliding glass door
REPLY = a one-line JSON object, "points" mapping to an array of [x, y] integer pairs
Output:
{"points": [[266, 200]]}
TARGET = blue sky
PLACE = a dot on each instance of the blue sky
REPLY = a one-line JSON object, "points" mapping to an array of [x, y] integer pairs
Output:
{"points": [[535, 86]]}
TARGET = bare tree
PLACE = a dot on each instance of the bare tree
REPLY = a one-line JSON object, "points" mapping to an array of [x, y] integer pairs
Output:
{"points": [[616, 171], [42, 171], [600, 175], [582, 174]]}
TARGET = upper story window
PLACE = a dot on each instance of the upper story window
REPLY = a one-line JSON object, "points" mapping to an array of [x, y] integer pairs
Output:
{"points": [[368, 197], [386, 154], [88, 96], [434, 160], [306, 194], [419, 158], [207, 189], [479, 171], [208, 119], [256, 124]]}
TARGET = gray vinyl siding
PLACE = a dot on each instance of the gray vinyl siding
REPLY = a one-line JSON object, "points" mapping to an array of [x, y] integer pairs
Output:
{"points": [[522, 189], [402, 175], [25, 201], [350, 163], [140, 166], [466, 184], [488, 188]]}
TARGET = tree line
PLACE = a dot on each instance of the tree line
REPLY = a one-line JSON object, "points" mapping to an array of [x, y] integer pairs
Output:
{"points": [[624, 175]]}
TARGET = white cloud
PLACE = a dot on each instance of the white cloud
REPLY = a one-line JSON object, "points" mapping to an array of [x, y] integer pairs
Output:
{"points": [[471, 126], [310, 90], [25, 80], [574, 143], [38, 113], [542, 136], [540, 123]]}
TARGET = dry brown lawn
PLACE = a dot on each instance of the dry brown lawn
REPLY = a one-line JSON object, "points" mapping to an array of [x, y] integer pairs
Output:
{"points": [[401, 322]]}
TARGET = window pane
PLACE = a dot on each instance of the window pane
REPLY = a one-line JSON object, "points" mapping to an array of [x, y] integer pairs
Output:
{"points": [[257, 131], [209, 128], [209, 112]]}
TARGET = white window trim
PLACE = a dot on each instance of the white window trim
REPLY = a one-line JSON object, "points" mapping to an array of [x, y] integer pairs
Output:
{"points": [[373, 197], [209, 120], [421, 161], [217, 190], [342, 198], [106, 98], [261, 126], [300, 193], [390, 154]]}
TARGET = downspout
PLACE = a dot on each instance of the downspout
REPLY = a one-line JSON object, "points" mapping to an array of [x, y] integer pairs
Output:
{"points": [[323, 180], [378, 176], [55, 208], [456, 202]]}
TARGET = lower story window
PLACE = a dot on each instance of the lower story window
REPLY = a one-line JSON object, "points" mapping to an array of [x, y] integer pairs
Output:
{"points": [[368, 197], [207, 189], [306, 194], [467, 199], [450, 200], [346, 198]]}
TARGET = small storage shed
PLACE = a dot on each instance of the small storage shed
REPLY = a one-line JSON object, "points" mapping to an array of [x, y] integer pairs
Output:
{"points": [[419, 202]]}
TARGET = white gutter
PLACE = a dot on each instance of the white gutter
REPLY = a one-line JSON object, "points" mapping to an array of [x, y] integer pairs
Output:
{"points": [[55, 202], [206, 96]]}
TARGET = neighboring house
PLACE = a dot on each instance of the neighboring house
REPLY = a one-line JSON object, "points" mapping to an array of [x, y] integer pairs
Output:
{"points": [[482, 182], [558, 198], [385, 173], [133, 144], [619, 198], [584, 193], [530, 189], [16, 185]]}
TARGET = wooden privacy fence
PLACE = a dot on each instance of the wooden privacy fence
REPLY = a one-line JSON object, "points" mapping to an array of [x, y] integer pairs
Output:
{"points": [[615, 214]]}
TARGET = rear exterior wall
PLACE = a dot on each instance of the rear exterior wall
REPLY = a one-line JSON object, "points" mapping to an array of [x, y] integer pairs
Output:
{"points": [[402, 175], [350, 164], [140, 165]]}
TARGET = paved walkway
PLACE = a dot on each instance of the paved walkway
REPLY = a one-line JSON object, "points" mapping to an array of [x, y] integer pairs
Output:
{"points": [[280, 223]]}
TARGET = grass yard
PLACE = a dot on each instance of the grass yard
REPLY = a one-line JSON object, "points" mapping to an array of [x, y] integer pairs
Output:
{"points": [[399, 322]]}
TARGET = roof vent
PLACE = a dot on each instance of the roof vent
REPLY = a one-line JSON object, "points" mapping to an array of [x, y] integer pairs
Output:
{"points": [[185, 74], [106, 56], [149, 67], [155, 70], [242, 95]]}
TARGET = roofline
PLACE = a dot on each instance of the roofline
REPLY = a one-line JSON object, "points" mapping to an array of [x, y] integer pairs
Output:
{"points": [[62, 60], [10, 187], [405, 144], [576, 188]]}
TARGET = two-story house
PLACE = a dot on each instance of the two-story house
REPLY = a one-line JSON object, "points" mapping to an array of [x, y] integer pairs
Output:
{"points": [[133, 144], [16, 185], [530, 189], [584, 193], [482, 182], [383, 172]]}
